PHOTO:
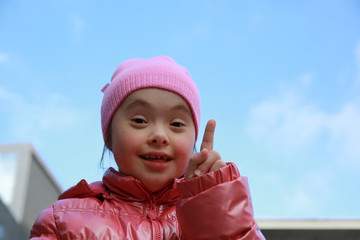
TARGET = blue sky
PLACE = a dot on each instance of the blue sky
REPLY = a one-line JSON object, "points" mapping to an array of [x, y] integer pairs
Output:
{"points": [[282, 79]]}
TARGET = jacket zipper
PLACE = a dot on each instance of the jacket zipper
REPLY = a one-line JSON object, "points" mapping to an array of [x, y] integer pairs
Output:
{"points": [[155, 222], [156, 229]]}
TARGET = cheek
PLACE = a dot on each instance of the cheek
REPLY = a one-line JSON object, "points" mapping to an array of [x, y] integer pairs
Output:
{"points": [[124, 143], [125, 147], [185, 149]]}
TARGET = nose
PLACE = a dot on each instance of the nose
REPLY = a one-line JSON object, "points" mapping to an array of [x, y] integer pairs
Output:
{"points": [[158, 137]]}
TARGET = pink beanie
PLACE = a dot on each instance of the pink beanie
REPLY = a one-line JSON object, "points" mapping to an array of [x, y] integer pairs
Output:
{"points": [[159, 72]]}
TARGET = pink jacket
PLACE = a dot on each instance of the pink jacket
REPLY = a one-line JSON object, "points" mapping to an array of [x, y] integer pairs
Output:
{"points": [[216, 205]]}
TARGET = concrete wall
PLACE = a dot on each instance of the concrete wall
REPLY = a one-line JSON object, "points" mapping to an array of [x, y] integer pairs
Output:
{"points": [[310, 229], [41, 193], [35, 188], [9, 228]]}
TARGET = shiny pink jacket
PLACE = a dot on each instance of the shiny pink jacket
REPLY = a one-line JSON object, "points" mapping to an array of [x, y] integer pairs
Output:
{"points": [[216, 205]]}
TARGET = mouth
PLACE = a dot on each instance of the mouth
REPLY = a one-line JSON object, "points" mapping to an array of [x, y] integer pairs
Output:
{"points": [[156, 157]]}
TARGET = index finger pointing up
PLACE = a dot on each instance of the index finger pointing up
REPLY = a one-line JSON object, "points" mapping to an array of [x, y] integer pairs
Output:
{"points": [[208, 139]]}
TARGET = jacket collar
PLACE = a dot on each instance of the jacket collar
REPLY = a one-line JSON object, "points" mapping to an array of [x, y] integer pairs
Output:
{"points": [[128, 188], [122, 187]]}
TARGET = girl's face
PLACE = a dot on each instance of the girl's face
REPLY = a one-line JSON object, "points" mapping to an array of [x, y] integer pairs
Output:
{"points": [[152, 136]]}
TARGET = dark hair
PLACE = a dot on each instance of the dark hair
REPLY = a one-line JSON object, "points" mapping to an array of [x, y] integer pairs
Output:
{"points": [[106, 148]]}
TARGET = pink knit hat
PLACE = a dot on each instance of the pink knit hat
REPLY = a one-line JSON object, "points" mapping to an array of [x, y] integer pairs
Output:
{"points": [[159, 72]]}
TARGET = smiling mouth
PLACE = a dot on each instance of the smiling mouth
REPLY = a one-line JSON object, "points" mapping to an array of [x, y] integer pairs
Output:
{"points": [[155, 158]]}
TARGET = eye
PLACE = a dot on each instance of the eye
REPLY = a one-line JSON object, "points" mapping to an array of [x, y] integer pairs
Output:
{"points": [[177, 124], [138, 120]]}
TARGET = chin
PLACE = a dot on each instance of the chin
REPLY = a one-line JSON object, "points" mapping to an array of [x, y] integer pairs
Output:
{"points": [[155, 186]]}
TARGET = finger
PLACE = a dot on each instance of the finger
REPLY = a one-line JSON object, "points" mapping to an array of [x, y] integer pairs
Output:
{"points": [[206, 166], [217, 164], [208, 139], [195, 161]]}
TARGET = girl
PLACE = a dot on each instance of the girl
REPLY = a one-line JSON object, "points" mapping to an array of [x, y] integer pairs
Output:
{"points": [[150, 119]]}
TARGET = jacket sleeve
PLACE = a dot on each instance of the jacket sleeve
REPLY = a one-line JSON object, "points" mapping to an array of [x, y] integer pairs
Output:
{"points": [[44, 226], [217, 205]]}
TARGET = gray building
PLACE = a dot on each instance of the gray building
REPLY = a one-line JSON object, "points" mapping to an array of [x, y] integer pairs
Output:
{"points": [[310, 229], [27, 187], [9, 228]]}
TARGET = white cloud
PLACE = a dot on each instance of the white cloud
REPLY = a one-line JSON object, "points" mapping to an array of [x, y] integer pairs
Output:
{"points": [[30, 118], [77, 27], [309, 195], [306, 78], [287, 122], [344, 132], [295, 193], [312, 150], [3, 58], [292, 124]]}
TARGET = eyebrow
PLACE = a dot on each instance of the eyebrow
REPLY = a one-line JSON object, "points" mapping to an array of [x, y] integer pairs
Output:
{"points": [[182, 107], [136, 103], [142, 103]]}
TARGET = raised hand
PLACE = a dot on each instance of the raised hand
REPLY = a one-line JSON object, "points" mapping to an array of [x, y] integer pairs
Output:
{"points": [[207, 159]]}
